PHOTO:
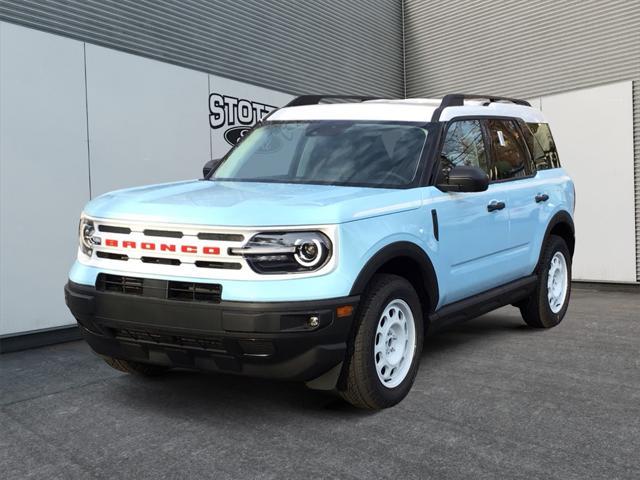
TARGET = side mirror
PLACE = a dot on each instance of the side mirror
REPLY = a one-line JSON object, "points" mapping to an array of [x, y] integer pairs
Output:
{"points": [[465, 179], [209, 166]]}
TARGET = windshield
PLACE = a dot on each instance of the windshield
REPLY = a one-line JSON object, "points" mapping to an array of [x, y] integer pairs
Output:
{"points": [[327, 152]]}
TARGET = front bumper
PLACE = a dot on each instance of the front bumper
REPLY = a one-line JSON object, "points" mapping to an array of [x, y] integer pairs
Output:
{"points": [[263, 339]]}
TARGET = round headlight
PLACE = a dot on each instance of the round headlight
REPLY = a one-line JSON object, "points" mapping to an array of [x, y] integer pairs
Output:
{"points": [[87, 236], [88, 230], [308, 252], [286, 252]]}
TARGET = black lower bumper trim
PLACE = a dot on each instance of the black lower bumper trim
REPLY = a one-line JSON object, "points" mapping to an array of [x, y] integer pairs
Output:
{"points": [[286, 340]]}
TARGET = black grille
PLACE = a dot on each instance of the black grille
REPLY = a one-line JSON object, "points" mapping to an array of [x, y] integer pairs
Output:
{"points": [[198, 292], [222, 265], [160, 260], [225, 237], [112, 229], [162, 233], [163, 338], [120, 284], [182, 291], [113, 256]]}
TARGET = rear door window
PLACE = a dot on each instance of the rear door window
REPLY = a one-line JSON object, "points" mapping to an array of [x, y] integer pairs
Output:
{"points": [[510, 155]]}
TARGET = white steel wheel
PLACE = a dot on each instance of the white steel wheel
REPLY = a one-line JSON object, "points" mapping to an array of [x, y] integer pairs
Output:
{"points": [[557, 282], [547, 304], [395, 343]]}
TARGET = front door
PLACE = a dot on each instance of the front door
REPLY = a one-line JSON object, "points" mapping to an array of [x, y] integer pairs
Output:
{"points": [[473, 227]]}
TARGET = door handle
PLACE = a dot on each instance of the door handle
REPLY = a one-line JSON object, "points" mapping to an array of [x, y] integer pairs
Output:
{"points": [[542, 197], [493, 206]]}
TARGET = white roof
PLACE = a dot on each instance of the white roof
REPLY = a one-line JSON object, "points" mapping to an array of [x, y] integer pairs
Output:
{"points": [[407, 110]]}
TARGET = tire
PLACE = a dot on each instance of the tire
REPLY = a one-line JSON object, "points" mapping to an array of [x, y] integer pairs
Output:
{"points": [[391, 297], [544, 309], [136, 368]]}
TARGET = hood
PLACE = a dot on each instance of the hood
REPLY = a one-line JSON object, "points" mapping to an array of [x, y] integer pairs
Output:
{"points": [[226, 203]]}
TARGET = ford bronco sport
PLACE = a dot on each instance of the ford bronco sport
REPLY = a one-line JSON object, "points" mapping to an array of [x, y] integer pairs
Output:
{"points": [[324, 245]]}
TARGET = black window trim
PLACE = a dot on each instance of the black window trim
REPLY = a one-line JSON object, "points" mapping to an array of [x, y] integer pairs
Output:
{"points": [[487, 140], [440, 144]]}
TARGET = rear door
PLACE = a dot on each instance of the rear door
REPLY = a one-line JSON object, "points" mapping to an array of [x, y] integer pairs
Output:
{"points": [[514, 169], [474, 226]]}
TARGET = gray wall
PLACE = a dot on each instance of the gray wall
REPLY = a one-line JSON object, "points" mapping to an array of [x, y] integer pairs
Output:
{"points": [[81, 116], [526, 49], [43, 174], [78, 120], [320, 46]]}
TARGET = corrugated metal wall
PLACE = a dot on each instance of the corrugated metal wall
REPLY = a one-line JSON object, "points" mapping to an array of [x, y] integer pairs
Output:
{"points": [[518, 48], [295, 46], [526, 49]]}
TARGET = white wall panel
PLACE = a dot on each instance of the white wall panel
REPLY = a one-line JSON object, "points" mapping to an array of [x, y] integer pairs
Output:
{"points": [[43, 174], [226, 88], [147, 120], [593, 129]]}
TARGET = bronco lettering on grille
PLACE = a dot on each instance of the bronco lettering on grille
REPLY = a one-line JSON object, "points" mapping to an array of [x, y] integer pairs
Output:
{"points": [[163, 247]]}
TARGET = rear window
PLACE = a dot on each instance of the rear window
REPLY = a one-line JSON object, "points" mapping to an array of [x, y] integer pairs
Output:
{"points": [[542, 147]]}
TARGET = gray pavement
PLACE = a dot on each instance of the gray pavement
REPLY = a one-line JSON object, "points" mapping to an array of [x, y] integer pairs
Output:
{"points": [[493, 399]]}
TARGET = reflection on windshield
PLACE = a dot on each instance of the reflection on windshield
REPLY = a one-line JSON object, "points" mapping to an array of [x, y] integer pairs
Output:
{"points": [[343, 153]]}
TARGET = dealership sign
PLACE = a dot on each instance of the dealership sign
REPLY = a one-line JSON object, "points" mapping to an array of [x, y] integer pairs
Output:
{"points": [[235, 115]]}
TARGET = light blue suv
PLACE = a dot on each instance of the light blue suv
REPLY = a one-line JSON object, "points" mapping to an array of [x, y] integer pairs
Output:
{"points": [[328, 241]]}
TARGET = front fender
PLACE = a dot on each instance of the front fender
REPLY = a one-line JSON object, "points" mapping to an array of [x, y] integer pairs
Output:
{"points": [[397, 250], [368, 244]]}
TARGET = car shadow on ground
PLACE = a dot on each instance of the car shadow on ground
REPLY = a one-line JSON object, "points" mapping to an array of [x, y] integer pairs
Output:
{"points": [[494, 324], [206, 393]]}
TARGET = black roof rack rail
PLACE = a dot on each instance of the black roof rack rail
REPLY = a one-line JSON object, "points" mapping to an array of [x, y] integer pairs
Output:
{"points": [[315, 99], [457, 100]]}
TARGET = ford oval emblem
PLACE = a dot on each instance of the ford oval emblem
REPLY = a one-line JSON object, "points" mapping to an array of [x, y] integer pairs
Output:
{"points": [[234, 134]]}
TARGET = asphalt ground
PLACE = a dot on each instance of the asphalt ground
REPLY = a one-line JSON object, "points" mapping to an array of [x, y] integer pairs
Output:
{"points": [[493, 399]]}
